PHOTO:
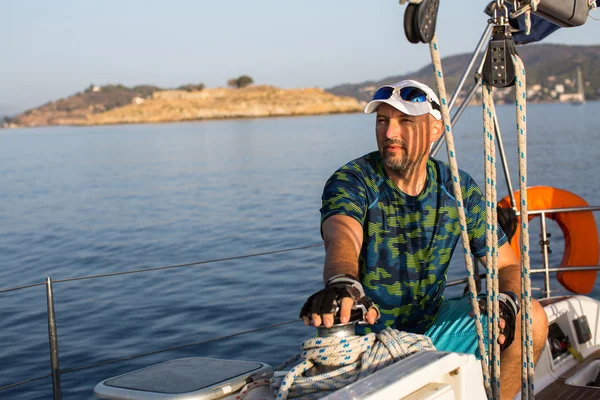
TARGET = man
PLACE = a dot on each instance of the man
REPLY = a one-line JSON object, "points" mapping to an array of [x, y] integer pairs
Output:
{"points": [[390, 226]]}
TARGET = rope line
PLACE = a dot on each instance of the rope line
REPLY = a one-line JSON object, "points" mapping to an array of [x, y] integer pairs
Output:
{"points": [[439, 79], [527, 374], [493, 309]]}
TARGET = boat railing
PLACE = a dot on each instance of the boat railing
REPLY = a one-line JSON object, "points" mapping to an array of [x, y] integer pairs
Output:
{"points": [[545, 245], [56, 372]]}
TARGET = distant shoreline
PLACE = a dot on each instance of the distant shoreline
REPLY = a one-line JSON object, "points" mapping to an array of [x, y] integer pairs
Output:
{"points": [[353, 109], [289, 116], [179, 105]]}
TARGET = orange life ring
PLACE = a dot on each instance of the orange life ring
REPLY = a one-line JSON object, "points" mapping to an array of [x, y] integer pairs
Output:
{"points": [[579, 230]]}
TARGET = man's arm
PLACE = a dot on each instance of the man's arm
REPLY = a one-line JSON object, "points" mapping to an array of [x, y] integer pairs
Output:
{"points": [[509, 270], [343, 236], [343, 239], [509, 275]]}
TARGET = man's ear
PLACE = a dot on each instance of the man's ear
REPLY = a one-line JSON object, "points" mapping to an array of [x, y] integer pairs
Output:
{"points": [[437, 128]]}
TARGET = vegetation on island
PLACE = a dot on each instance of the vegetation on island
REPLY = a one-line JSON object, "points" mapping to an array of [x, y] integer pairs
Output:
{"points": [[191, 87], [240, 82]]}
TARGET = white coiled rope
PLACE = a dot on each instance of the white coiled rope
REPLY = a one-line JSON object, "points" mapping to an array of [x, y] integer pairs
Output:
{"points": [[355, 357]]}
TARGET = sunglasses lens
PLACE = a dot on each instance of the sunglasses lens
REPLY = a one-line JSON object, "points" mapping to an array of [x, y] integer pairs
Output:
{"points": [[409, 93], [383, 93], [413, 94]]}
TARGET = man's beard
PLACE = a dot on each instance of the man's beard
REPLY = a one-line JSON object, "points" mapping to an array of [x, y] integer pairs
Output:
{"points": [[403, 166]]}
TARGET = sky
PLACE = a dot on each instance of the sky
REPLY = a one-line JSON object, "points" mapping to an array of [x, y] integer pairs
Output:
{"points": [[52, 49]]}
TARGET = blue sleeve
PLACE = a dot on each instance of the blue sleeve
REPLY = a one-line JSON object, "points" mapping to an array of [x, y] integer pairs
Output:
{"points": [[476, 226], [344, 194]]}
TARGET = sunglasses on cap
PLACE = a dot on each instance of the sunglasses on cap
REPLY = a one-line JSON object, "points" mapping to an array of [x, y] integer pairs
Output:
{"points": [[408, 93]]}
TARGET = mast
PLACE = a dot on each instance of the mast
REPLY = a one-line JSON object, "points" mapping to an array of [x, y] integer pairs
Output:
{"points": [[580, 86]]}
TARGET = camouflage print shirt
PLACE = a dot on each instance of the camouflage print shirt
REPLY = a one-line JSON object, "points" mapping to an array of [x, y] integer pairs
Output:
{"points": [[407, 240]]}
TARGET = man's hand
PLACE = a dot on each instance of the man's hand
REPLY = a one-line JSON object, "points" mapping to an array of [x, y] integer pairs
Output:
{"points": [[343, 294], [509, 309], [509, 274]]}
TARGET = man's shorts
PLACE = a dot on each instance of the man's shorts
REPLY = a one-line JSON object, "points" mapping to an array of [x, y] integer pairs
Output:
{"points": [[454, 330]]}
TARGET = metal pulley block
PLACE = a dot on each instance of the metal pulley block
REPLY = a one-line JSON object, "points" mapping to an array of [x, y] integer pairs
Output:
{"points": [[420, 19], [499, 69]]}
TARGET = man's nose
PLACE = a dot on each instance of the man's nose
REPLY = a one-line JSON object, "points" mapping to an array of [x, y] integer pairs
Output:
{"points": [[393, 130]]}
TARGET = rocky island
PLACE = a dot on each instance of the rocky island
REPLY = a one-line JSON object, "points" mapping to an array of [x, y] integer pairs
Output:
{"points": [[145, 104], [248, 102]]}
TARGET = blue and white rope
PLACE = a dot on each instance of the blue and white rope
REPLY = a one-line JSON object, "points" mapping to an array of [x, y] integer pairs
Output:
{"points": [[527, 374], [439, 79], [489, 115], [355, 357]]}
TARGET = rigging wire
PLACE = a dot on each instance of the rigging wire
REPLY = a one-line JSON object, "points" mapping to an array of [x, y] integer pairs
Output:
{"points": [[80, 278]]}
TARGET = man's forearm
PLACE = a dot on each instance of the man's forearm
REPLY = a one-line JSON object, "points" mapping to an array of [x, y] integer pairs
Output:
{"points": [[343, 240], [341, 258], [510, 279]]}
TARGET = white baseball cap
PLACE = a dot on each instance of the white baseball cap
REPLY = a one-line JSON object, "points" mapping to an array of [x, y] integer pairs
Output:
{"points": [[410, 97]]}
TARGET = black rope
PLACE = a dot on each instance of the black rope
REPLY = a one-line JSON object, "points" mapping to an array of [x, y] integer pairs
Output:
{"points": [[24, 382], [184, 265], [22, 287], [164, 267]]}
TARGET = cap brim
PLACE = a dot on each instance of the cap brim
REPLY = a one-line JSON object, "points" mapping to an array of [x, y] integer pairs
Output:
{"points": [[409, 108], [372, 106]]}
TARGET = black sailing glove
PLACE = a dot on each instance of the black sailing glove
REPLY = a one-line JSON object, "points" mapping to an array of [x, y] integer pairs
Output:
{"points": [[508, 219], [509, 308], [329, 299]]}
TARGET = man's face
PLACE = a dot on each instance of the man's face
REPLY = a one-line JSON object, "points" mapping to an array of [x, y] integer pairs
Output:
{"points": [[403, 140]]}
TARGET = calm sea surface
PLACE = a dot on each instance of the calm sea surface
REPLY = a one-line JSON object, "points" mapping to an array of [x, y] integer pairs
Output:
{"points": [[84, 201]]}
